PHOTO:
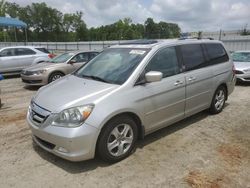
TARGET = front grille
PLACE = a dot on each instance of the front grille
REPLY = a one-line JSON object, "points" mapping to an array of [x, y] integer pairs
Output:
{"points": [[38, 114], [45, 143], [32, 81], [38, 118]]}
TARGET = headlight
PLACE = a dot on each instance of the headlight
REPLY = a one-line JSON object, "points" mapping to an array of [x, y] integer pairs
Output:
{"points": [[72, 117], [39, 72]]}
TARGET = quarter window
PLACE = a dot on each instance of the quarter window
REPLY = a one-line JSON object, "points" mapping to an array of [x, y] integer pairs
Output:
{"points": [[164, 61], [216, 53], [193, 57]]}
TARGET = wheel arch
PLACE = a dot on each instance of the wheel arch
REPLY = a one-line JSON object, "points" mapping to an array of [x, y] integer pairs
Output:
{"points": [[55, 71], [134, 116], [225, 86]]}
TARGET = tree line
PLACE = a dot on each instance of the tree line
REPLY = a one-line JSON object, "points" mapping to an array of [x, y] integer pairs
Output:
{"points": [[45, 23]]}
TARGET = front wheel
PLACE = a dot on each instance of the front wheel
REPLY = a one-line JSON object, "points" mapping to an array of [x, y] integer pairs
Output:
{"points": [[117, 139], [218, 101], [54, 76]]}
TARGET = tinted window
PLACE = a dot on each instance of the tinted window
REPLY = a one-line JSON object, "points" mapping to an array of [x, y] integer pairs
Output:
{"points": [[192, 56], [7, 52], [24, 51], [216, 53], [164, 61], [44, 50]]}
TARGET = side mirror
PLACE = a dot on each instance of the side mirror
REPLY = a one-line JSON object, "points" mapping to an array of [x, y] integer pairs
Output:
{"points": [[71, 62], [153, 76]]}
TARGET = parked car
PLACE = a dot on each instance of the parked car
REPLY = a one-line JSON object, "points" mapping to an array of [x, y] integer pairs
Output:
{"points": [[59, 66], [14, 59], [127, 92], [242, 65]]}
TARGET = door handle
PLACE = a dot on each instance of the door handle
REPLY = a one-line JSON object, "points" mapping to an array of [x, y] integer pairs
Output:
{"points": [[191, 78], [178, 82]]}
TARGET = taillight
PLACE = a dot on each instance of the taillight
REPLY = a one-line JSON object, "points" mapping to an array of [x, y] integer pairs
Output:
{"points": [[51, 56]]}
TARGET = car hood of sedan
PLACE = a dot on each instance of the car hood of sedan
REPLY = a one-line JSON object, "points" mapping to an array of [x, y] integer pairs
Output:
{"points": [[44, 65], [242, 65], [71, 91]]}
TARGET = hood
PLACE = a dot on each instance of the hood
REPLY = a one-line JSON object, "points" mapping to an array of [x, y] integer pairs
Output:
{"points": [[71, 91], [43, 65], [242, 65]]}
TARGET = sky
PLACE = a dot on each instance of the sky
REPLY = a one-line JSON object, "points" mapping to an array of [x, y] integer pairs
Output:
{"points": [[191, 15]]}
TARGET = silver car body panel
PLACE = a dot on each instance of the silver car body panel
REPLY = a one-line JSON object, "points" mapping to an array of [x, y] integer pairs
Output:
{"points": [[243, 67], [17, 63], [156, 104]]}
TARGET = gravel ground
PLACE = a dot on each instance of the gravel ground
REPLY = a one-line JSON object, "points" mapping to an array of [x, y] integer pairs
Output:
{"points": [[201, 151]]}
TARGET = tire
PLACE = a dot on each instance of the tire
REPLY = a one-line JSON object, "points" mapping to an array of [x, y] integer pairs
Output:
{"points": [[117, 139], [54, 76], [219, 100]]}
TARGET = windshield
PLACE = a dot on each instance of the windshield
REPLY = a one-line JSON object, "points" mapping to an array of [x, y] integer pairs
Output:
{"points": [[113, 65], [241, 56], [62, 58]]}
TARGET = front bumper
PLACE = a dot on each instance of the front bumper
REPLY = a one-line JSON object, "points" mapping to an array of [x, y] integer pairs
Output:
{"points": [[74, 144], [244, 77], [36, 80]]}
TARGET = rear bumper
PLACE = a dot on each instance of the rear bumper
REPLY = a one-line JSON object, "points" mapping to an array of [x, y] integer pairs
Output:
{"points": [[38, 80], [74, 144]]}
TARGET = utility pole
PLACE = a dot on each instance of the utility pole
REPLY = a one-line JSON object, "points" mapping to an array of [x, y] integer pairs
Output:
{"points": [[220, 34]]}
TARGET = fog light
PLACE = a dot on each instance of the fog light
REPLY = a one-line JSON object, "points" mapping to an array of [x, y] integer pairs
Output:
{"points": [[61, 149]]}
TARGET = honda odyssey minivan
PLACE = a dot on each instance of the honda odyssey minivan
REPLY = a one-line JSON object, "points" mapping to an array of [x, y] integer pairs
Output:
{"points": [[129, 91]]}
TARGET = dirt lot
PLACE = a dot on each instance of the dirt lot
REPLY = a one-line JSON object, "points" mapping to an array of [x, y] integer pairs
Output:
{"points": [[201, 151]]}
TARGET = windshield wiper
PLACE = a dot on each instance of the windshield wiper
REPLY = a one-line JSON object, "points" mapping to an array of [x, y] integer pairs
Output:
{"points": [[95, 78]]}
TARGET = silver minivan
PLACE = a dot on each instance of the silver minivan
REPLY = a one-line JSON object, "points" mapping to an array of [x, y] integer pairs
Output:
{"points": [[129, 91]]}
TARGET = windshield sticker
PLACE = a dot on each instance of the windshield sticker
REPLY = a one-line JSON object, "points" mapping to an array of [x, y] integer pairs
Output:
{"points": [[137, 52]]}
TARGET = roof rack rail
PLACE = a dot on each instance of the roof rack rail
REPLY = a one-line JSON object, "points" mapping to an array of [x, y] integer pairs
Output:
{"points": [[140, 42], [198, 38]]}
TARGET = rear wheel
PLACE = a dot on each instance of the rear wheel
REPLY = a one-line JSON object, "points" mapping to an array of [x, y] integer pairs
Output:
{"points": [[54, 76], [117, 139], [219, 100]]}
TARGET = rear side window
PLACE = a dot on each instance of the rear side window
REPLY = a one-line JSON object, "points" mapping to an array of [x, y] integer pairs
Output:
{"points": [[24, 51], [7, 52], [44, 50], [92, 55], [164, 61], [216, 53], [193, 57]]}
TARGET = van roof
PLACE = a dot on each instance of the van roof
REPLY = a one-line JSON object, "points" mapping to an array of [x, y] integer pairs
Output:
{"points": [[162, 42]]}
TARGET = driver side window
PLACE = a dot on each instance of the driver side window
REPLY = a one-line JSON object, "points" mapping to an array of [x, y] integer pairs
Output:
{"points": [[164, 61], [80, 58]]}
